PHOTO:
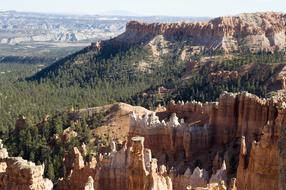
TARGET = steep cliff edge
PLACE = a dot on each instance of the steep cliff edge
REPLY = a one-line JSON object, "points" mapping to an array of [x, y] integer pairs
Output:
{"points": [[149, 56], [233, 116], [206, 136], [262, 165], [282, 158], [193, 145], [208, 128], [247, 32]]}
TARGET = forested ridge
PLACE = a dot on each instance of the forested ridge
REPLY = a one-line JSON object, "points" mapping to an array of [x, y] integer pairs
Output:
{"points": [[91, 78]]}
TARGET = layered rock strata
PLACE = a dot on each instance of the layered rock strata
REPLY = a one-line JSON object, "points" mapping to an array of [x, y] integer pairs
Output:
{"points": [[174, 137], [262, 166], [246, 32], [196, 146], [235, 115], [282, 159]]}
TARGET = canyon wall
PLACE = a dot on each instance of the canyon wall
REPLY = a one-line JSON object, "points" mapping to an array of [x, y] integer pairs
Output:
{"points": [[246, 32], [235, 143], [261, 166], [233, 116], [282, 158], [175, 138], [217, 127]]}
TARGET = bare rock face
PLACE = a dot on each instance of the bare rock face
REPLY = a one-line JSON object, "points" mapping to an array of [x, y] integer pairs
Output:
{"points": [[136, 170], [220, 175], [78, 173], [196, 146], [235, 115], [68, 134], [282, 162], [199, 178], [3, 151], [117, 122], [174, 137], [259, 120], [261, 170], [262, 165], [89, 184], [17, 173], [131, 169], [197, 128], [246, 32]]}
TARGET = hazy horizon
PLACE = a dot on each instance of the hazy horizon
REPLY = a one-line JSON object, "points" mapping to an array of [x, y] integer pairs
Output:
{"points": [[181, 8]]}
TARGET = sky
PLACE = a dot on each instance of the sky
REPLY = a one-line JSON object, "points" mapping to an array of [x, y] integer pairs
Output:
{"points": [[196, 8]]}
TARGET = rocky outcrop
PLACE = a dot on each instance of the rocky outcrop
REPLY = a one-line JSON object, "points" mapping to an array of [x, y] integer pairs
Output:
{"points": [[216, 126], [78, 172], [176, 139], [233, 116], [260, 169], [261, 166], [115, 123], [19, 174], [196, 146], [282, 158], [131, 169], [89, 184], [139, 178], [204, 127], [199, 178], [246, 32]]}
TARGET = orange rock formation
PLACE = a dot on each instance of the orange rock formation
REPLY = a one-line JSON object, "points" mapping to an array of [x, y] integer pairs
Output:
{"points": [[193, 145], [246, 32], [19, 174]]}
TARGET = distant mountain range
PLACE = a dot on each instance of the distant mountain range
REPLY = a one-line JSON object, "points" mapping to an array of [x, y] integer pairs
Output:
{"points": [[23, 27]]}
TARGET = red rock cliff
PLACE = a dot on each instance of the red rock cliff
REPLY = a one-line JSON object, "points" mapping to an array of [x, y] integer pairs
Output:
{"points": [[246, 32], [198, 135]]}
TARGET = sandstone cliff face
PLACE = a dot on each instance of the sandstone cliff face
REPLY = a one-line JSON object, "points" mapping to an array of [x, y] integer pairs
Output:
{"points": [[131, 169], [78, 173], [282, 158], [196, 146], [19, 174], [261, 166], [176, 139], [138, 176], [235, 115], [246, 32], [260, 170]]}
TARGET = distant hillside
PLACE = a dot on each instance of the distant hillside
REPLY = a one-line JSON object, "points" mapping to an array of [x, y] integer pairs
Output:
{"points": [[188, 57]]}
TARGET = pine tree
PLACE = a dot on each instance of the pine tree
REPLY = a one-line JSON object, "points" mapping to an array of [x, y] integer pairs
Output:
{"points": [[50, 171]]}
